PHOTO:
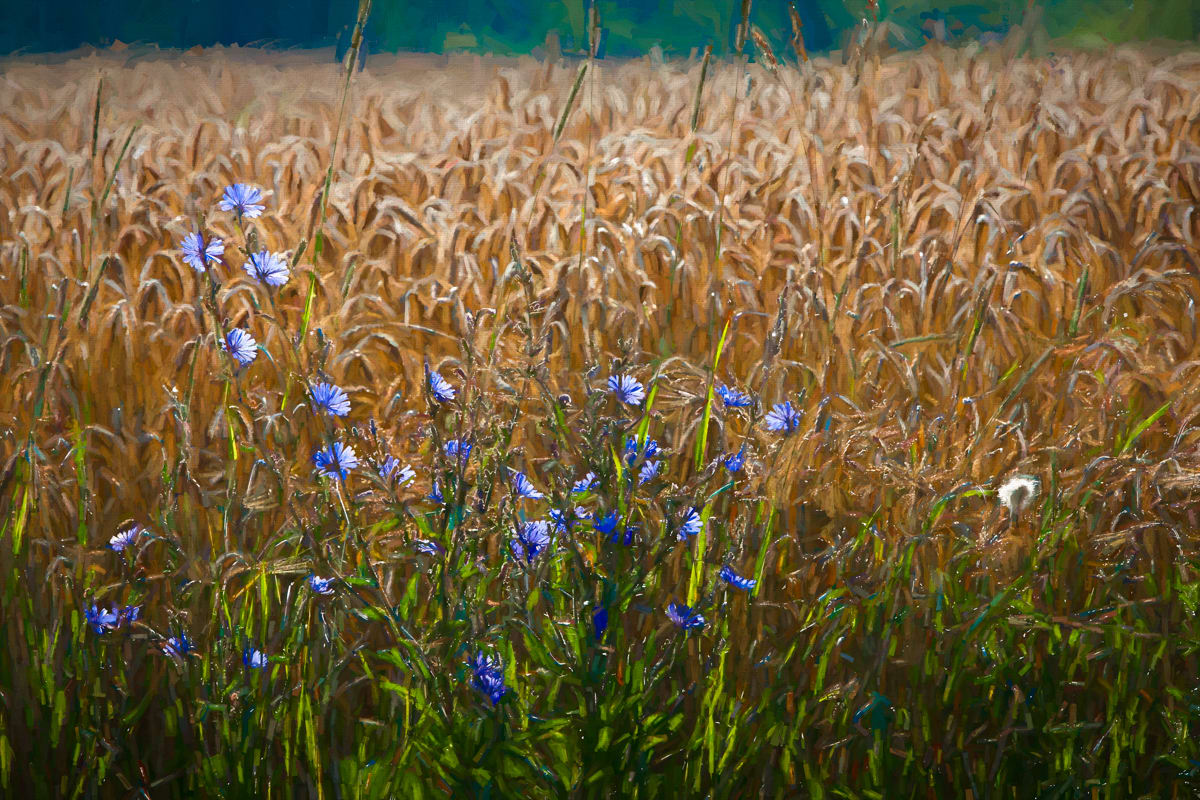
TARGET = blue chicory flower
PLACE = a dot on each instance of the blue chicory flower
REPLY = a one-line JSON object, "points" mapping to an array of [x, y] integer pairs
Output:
{"points": [[336, 460], [198, 253], [585, 484], [737, 581], [524, 488], [243, 199], [487, 676], [648, 471], [427, 547], [125, 538], [330, 399], [685, 617], [241, 345], [733, 398], [322, 586], [606, 524], [735, 461], [441, 389], [178, 646], [783, 418], [269, 268], [458, 447], [692, 524], [627, 389], [531, 539], [254, 659]]}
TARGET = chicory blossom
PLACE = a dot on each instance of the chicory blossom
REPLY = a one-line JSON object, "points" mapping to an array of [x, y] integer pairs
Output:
{"points": [[125, 538], [692, 525], [458, 447], [440, 388], [648, 471], [198, 253], [178, 646], [523, 487], [606, 524], [323, 586], [243, 199], [241, 345], [336, 460], [487, 676], [532, 539], [627, 389], [737, 581], [585, 484], [254, 659], [685, 617], [733, 398], [735, 461], [783, 418], [330, 399], [269, 268]]}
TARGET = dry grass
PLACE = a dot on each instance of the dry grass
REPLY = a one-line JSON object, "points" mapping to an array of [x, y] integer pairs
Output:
{"points": [[888, 217]]}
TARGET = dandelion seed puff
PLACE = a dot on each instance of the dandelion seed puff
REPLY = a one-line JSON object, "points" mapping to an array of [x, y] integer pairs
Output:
{"points": [[1018, 492]]}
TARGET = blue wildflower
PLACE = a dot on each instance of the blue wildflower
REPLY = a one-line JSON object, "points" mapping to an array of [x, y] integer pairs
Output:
{"points": [[242, 198], [737, 581], [648, 471], [487, 676], [563, 523], [442, 391], [330, 399], [524, 488], [600, 622], [626, 535], [125, 538], [458, 447], [531, 540], [198, 253], [627, 389], [321, 585], [336, 460], [648, 450], [254, 659], [427, 547], [692, 525], [783, 418], [269, 268], [241, 345], [735, 461], [585, 484], [178, 646], [435, 494], [685, 617], [606, 524], [388, 468], [101, 620], [733, 398]]}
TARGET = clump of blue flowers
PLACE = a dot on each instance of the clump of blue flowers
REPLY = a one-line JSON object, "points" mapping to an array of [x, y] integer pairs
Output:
{"points": [[487, 676]]}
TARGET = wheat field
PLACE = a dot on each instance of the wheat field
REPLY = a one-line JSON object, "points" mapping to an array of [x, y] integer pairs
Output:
{"points": [[960, 265]]}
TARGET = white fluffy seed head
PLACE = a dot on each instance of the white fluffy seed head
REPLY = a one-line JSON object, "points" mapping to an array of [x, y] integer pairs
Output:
{"points": [[1018, 492]]}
